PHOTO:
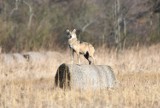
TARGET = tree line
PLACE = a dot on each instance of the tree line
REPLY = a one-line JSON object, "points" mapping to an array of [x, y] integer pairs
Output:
{"points": [[41, 24]]}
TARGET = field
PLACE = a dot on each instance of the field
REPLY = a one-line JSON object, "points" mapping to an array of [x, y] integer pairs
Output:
{"points": [[30, 84]]}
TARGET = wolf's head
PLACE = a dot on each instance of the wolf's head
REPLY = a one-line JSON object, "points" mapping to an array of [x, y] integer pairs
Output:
{"points": [[71, 34]]}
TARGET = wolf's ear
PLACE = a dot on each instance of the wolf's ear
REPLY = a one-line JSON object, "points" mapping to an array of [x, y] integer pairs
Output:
{"points": [[67, 31], [74, 30]]}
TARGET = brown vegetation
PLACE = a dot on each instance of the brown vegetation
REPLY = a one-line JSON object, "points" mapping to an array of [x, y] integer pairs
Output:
{"points": [[40, 24], [32, 85]]}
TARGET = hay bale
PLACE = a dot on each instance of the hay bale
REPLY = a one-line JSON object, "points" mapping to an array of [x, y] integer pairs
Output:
{"points": [[35, 57], [84, 76], [12, 58], [7, 59], [19, 58]]}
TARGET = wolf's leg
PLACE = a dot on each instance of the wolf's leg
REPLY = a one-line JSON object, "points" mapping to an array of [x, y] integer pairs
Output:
{"points": [[89, 61], [78, 56], [92, 56], [87, 57], [93, 59], [79, 60], [72, 56]]}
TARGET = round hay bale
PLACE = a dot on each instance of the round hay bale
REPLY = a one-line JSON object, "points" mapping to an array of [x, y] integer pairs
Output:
{"points": [[7, 59], [19, 58], [84, 76], [12, 58], [35, 57]]}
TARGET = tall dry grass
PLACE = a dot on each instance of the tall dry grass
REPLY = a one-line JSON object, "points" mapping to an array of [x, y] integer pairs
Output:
{"points": [[31, 84]]}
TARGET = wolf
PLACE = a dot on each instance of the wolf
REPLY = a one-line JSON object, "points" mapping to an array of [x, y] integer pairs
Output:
{"points": [[78, 47]]}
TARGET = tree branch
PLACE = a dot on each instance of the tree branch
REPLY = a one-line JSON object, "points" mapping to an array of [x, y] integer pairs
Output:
{"points": [[16, 7], [30, 13], [85, 26]]}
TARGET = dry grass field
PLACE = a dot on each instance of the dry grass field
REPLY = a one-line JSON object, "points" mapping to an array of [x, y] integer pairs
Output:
{"points": [[30, 84]]}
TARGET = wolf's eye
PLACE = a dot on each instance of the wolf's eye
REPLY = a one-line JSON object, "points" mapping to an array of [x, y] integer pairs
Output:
{"points": [[67, 33]]}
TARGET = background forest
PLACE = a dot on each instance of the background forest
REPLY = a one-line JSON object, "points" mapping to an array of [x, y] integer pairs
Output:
{"points": [[41, 24]]}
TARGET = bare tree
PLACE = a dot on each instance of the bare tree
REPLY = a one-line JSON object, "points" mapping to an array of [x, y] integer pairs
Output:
{"points": [[16, 7], [30, 13]]}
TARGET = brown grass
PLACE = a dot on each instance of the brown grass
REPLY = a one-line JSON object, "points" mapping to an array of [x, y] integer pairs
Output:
{"points": [[31, 85]]}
